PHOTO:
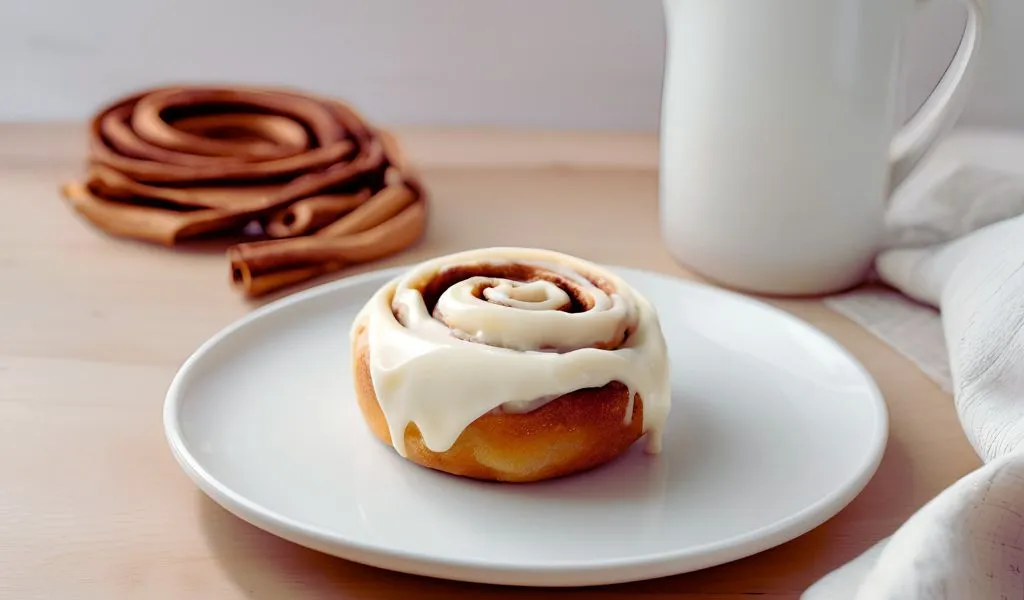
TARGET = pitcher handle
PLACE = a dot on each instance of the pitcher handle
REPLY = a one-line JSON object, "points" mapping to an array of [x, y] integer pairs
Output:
{"points": [[942, 108]]}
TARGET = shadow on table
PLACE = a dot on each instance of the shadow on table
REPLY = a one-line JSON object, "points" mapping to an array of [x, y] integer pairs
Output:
{"points": [[265, 567]]}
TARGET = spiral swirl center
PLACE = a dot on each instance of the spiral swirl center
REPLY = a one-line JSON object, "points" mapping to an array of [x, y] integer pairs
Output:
{"points": [[523, 307], [534, 295]]}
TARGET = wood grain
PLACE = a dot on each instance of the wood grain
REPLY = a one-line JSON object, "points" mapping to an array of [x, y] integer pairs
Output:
{"points": [[93, 506]]}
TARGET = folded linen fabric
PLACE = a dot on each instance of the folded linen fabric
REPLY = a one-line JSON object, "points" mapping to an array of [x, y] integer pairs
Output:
{"points": [[957, 246]]}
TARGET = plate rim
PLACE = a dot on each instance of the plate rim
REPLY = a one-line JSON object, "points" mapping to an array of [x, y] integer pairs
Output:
{"points": [[549, 574]]}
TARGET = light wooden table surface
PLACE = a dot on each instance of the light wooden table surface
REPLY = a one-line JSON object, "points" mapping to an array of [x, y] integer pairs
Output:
{"points": [[93, 506]]}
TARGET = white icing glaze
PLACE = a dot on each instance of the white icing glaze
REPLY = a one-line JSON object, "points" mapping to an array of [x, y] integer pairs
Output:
{"points": [[486, 355]]}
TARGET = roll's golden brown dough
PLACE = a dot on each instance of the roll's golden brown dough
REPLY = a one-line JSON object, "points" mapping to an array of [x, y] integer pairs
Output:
{"points": [[570, 434]]}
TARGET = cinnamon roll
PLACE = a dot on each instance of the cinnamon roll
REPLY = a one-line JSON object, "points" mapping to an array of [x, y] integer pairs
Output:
{"points": [[510, 364]]}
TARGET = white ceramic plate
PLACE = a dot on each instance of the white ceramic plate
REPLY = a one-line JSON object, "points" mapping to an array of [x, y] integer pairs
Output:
{"points": [[774, 429]]}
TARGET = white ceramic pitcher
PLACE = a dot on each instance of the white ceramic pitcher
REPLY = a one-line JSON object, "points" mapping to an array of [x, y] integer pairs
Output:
{"points": [[777, 147]]}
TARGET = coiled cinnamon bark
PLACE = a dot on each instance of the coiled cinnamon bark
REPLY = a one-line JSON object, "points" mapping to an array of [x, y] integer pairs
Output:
{"points": [[305, 183]]}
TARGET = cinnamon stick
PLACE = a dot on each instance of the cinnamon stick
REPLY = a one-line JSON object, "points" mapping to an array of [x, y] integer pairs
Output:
{"points": [[261, 267], [169, 165], [310, 214]]}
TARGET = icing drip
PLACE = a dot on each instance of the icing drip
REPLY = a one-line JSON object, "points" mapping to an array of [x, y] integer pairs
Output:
{"points": [[493, 342]]}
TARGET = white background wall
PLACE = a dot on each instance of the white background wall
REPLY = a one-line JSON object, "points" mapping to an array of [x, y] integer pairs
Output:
{"points": [[538, 63]]}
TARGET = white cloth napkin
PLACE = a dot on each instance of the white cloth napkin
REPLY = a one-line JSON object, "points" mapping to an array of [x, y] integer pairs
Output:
{"points": [[956, 251]]}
